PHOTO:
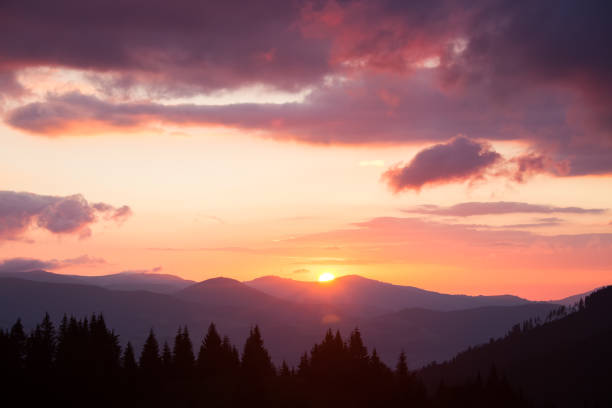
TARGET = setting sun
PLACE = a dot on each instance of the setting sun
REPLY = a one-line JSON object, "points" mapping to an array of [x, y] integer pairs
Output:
{"points": [[326, 277]]}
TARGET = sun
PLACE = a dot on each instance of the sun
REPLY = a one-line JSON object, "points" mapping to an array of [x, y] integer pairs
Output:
{"points": [[326, 277]]}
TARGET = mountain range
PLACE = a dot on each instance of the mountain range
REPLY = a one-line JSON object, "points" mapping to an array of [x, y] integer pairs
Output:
{"points": [[565, 362], [291, 314]]}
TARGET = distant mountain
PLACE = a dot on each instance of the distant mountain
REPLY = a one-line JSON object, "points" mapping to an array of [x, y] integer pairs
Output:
{"points": [[430, 335], [373, 296], [572, 300], [152, 282], [289, 328], [565, 362], [226, 292]]}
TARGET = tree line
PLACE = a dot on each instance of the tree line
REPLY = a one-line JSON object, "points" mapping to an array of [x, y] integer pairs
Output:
{"points": [[81, 362]]}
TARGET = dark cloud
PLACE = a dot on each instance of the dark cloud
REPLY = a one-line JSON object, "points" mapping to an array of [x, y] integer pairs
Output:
{"points": [[528, 165], [181, 48], [14, 265], [58, 215], [459, 160], [26, 264], [300, 271], [501, 207], [9, 86], [538, 73]]}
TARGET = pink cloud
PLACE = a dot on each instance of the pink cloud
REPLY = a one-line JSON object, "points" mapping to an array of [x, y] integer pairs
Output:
{"points": [[13, 265], [498, 208], [58, 215], [460, 159], [504, 73]]}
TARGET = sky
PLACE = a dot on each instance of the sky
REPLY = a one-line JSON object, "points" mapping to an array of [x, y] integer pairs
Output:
{"points": [[456, 146]]}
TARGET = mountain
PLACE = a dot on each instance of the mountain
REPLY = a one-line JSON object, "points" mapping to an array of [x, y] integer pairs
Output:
{"points": [[152, 282], [572, 300], [432, 335], [226, 292], [374, 297], [289, 328], [565, 362]]}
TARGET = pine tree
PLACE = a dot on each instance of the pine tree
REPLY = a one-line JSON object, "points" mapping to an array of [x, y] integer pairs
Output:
{"points": [[210, 356], [166, 358], [285, 371], [150, 362], [128, 361], [182, 355], [356, 350], [256, 361], [40, 347], [401, 369], [17, 346]]}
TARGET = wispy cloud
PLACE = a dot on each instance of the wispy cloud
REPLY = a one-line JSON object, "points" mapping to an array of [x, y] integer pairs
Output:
{"points": [[500, 207], [14, 265]]}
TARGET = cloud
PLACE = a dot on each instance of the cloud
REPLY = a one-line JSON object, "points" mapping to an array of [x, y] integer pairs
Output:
{"points": [[58, 215], [458, 160], [478, 248], [9, 86], [500, 207], [182, 48], [14, 265], [531, 164], [25, 265], [157, 269], [300, 271], [380, 72]]}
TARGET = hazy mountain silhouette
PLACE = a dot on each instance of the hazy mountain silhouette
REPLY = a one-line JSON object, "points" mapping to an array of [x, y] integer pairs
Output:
{"points": [[290, 327], [152, 282], [226, 292], [566, 361], [373, 296], [428, 335], [572, 300]]}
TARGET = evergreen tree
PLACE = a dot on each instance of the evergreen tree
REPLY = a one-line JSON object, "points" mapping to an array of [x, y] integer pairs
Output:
{"points": [[17, 347], [128, 361], [256, 361], [166, 358], [285, 371], [182, 356], [401, 369], [40, 348], [150, 362], [210, 357]]}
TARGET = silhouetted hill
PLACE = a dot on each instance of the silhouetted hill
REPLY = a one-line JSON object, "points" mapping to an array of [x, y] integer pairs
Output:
{"points": [[152, 282], [566, 361], [374, 296], [429, 335], [572, 300], [226, 292], [290, 327]]}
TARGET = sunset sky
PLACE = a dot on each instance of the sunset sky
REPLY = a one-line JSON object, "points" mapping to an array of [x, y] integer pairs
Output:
{"points": [[462, 147]]}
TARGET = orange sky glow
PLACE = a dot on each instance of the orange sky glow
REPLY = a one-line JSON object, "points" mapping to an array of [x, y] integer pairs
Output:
{"points": [[331, 174]]}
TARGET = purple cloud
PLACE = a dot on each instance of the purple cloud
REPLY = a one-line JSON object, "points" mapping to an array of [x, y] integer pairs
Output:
{"points": [[500, 71], [459, 160], [501, 207], [181, 48], [58, 215], [14, 265]]}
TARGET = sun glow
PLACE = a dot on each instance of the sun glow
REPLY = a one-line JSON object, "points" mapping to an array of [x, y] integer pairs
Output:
{"points": [[326, 277]]}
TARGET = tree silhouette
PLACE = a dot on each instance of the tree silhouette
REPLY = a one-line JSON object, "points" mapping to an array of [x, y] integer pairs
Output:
{"points": [[150, 362]]}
